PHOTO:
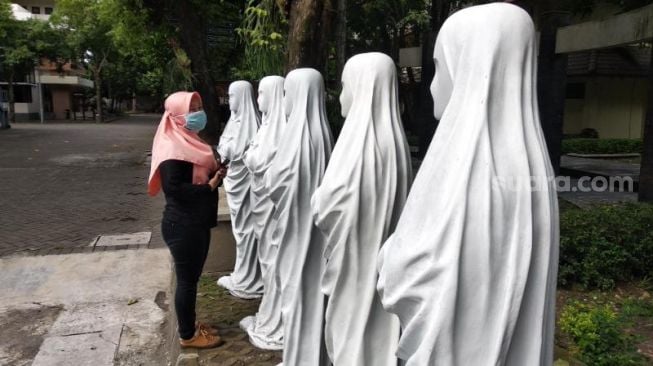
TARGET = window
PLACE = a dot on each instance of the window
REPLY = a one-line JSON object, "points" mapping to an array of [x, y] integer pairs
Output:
{"points": [[36, 10], [22, 93], [48, 11], [5, 95], [576, 91]]}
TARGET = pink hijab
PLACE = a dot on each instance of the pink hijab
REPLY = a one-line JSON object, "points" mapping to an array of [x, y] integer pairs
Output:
{"points": [[174, 142]]}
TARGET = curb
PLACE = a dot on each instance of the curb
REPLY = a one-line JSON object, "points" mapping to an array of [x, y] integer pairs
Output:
{"points": [[604, 156], [174, 349]]}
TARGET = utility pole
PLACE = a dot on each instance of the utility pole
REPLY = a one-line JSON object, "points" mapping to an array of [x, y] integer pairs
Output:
{"points": [[646, 167], [3, 119], [4, 124], [552, 79]]}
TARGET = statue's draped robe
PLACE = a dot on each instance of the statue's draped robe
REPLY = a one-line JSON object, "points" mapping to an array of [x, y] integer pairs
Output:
{"points": [[245, 281], [296, 172], [356, 207], [266, 328], [471, 267]]}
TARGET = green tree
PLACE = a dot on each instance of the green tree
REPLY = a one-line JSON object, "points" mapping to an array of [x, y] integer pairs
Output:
{"points": [[14, 51], [387, 26], [139, 66], [89, 24], [264, 33], [149, 52], [23, 44], [202, 36], [17, 59]]}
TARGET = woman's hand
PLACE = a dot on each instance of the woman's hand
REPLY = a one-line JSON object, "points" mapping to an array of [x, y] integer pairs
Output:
{"points": [[213, 182], [218, 176]]}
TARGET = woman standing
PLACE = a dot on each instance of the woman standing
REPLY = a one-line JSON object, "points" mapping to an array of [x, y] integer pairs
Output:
{"points": [[185, 167]]}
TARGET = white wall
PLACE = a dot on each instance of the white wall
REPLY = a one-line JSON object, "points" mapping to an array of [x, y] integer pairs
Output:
{"points": [[28, 4], [615, 107]]}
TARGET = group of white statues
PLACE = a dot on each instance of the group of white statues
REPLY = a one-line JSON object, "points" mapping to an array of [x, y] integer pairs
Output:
{"points": [[358, 268]]}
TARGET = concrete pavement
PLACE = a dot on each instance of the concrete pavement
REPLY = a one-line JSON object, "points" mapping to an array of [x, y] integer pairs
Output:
{"points": [[97, 309], [65, 190], [68, 299]]}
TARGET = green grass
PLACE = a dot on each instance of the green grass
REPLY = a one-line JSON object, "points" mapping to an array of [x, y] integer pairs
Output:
{"points": [[637, 307], [216, 306]]}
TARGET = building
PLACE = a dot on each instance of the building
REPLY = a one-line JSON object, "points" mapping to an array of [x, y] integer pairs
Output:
{"points": [[607, 85], [61, 88], [607, 91], [39, 9]]}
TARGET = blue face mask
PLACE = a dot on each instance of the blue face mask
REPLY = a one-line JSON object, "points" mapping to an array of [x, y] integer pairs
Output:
{"points": [[196, 121]]}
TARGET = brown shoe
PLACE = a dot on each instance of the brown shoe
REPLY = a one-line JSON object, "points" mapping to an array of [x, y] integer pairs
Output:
{"points": [[202, 339], [209, 329]]}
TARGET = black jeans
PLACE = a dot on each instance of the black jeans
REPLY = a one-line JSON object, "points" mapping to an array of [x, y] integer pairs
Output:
{"points": [[189, 246]]}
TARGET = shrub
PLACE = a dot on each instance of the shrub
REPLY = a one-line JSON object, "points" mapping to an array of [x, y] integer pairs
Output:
{"points": [[597, 336], [606, 244], [601, 146], [586, 133], [589, 133]]}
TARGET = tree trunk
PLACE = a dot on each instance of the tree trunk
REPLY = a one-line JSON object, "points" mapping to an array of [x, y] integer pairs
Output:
{"points": [[308, 32], [98, 95], [427, 122], [552, 82], [4, 123], [386, 42], [341, 36], [394, 44], [11, 116], [192, 37], [646, 169], [112, 104]]}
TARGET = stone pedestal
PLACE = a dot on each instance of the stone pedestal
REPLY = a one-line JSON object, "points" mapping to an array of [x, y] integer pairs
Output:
{"points": [[222, 253]]}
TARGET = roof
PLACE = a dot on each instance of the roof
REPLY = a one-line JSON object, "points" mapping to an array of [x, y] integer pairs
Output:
{"points": [[618, 61], [20, 13]]}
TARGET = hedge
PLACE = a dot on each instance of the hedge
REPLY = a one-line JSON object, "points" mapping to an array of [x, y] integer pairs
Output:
{"points": [[606, 244], [602, 146]]}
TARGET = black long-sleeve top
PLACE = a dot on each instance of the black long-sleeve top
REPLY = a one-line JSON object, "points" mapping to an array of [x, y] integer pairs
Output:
{"points": [[187, 203]]}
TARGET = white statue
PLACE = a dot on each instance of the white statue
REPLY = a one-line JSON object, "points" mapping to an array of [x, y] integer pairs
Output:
{"points": [[245, 281], [357, 206], [471, 268], [266, 328], [296, 172]]}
